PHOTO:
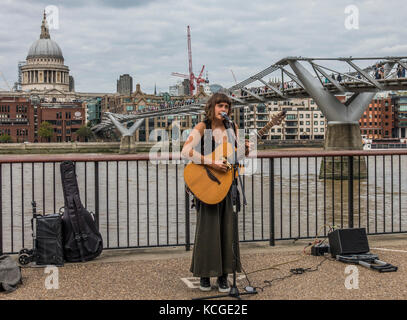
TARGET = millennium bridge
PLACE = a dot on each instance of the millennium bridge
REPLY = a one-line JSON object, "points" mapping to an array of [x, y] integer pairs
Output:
{"points": [[318, 78]]}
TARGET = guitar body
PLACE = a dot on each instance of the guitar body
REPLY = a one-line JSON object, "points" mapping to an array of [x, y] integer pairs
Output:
{"points": [[202, 186], [205, 189]]}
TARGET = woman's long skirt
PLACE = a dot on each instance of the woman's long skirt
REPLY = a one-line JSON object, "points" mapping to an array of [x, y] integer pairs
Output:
{"points": [[213, 253]]}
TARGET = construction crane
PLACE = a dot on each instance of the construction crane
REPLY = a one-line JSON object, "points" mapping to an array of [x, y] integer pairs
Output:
{"points": [[5, 81], [192, 78]]}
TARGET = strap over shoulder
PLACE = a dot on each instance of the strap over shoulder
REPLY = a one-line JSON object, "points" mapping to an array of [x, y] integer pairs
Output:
{"points": [[207, 123]]}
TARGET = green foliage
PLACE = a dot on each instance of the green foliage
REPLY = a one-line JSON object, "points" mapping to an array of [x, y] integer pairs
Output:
{"points": [[5, 138], [84, 132], [45, 131]]}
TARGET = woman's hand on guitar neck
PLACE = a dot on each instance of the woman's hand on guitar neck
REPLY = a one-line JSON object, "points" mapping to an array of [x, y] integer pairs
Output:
{"points": [[248, 146]]}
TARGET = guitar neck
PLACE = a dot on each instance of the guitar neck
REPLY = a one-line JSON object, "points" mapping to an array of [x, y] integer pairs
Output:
{"points": [[276, 119], [268, 126], [265, 129]]}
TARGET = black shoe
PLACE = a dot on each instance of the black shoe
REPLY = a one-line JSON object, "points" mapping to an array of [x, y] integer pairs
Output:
{"points": [[223, 284], [205, 284]]}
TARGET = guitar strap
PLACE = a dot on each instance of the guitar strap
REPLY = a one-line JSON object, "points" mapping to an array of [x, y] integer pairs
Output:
{"points": [[74, 219], [235, 190]]}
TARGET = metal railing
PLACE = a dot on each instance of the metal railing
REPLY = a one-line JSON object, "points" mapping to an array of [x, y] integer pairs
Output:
{"points": [[142, 204]]}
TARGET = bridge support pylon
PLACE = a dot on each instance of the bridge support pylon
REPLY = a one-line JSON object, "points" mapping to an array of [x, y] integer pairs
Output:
{"points": [[127, 145], [343, 131], [127, 142]]}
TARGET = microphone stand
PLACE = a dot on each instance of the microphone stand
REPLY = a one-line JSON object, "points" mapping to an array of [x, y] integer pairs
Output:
{"points": [[234, 291]]}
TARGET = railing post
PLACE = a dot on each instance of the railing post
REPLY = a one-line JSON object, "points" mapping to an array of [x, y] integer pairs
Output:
{"points": [[187, 223], [271, 200], [97, 193], [1, 211], [350, 191]]}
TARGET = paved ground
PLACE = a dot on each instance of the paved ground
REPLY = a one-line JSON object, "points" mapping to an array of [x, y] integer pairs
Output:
{"points": [[157, 274]]}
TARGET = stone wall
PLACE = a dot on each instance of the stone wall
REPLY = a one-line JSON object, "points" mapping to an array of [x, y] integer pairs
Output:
{"points": [[67, 147]]}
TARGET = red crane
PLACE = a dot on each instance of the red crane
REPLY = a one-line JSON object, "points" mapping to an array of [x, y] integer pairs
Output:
{"points": [[191, 76]]}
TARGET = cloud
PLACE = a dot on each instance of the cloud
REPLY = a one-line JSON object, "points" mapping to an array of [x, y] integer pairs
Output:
{"points": [[102, 39]]}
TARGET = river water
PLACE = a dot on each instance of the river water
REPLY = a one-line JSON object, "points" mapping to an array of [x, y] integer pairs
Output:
{"points": [[143, 204]]}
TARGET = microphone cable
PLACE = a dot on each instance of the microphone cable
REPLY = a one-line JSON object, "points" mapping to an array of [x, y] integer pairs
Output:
{"points": [[294, 271]]}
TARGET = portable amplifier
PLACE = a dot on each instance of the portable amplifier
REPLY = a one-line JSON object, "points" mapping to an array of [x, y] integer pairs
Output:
{"points": [[348, 241]]}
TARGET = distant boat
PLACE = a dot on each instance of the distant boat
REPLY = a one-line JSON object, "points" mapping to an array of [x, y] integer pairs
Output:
{"points": [[384, 144]]}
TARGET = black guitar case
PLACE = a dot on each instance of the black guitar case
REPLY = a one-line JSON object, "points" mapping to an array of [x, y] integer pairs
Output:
{"points": [[82, 239]]}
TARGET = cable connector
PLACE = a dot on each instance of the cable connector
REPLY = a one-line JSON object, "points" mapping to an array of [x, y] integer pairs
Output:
{"points": [[297, 271], [250, 289], [319, 249]]}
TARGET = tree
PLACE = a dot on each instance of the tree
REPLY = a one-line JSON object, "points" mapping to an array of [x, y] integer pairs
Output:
{"points": [[5, 138], [84, 132], [46, 131]]}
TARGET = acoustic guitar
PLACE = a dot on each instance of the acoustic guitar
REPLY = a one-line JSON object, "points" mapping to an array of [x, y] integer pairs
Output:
{"points": [[211, 186]]}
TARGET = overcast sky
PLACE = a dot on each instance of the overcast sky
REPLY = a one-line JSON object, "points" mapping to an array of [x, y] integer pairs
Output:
{"points": [[101, 39]]}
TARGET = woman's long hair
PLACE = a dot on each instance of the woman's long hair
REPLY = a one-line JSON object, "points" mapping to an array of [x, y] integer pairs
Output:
{"points": [[210, 105]]}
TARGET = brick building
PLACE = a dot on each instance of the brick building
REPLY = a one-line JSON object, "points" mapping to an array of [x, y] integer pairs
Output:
{"points": [[21, 120], [16, 115], [377, 122], [65, 119]]}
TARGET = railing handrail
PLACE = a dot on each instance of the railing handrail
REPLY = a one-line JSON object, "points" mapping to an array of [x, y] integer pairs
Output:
{"points": [[176, 156]]}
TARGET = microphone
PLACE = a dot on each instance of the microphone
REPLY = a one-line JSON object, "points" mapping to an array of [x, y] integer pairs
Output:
{"points": [[225, 116]]}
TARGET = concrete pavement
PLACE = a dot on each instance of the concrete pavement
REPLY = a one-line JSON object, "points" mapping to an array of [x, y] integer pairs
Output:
{"points": [[163, 273]]}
